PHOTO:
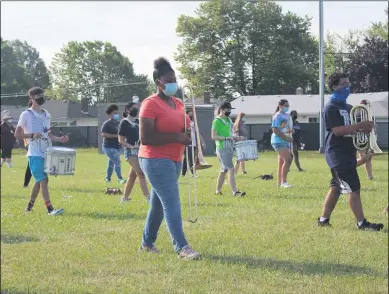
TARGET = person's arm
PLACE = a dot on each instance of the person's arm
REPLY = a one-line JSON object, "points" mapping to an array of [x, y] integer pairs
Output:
{"points": [[19, 132], [122, 130], [147, 131], [106, 132], [335, 123], [62, 139]]}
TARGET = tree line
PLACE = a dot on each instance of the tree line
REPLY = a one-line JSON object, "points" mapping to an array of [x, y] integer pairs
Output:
{"points": [[227, 47]]}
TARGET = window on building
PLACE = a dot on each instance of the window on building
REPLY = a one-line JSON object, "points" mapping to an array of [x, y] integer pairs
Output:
{"points": [[313, 119]]}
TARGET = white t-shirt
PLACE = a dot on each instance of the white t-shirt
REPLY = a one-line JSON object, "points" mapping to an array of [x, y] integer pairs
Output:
{"points": [[34, 122], [193, 134]]}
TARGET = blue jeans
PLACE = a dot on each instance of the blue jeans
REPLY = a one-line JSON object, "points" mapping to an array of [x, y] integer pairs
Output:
{"points": [[113, 162], [163, 176]]}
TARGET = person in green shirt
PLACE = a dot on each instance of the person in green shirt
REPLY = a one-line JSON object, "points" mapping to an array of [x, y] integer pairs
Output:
{"points": [[222, 135]]}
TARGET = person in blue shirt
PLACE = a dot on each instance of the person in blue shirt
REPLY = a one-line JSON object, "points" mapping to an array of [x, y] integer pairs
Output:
{"points": [[341, 155], [281, 140]]}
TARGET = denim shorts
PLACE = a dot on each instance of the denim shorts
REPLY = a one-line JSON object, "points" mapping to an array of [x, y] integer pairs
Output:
{"points": [[279, 146], [130, 152]]}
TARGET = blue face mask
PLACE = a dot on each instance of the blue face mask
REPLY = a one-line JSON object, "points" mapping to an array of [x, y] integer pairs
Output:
{"points": [[170, 89], [243, 119], [116, 116], [285, 109], [340, 95]]}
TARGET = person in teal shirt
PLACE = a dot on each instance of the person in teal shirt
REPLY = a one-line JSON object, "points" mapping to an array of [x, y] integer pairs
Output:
{"points": [[222, 135], [281, 139]]}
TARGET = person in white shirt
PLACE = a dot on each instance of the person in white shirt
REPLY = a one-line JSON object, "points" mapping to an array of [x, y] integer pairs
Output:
{"points": [[34, 125]]}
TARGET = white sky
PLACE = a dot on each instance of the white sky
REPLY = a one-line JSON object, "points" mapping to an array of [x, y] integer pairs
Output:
{"points": [[145, 30]]}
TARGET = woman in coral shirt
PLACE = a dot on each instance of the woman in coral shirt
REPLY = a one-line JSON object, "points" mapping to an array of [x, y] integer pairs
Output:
{"points": [[163, 139]]}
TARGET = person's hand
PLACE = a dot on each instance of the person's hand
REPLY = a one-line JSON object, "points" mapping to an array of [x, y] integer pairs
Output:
{"points": [[365, 126], [290, 140], [64, 139], [184, 138], [235, 138], [37, 136]]}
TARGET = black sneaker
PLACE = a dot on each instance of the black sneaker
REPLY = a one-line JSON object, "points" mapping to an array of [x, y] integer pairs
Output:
{"points": [[324, 223], [239, 194], [370, 226], [29, 207]]}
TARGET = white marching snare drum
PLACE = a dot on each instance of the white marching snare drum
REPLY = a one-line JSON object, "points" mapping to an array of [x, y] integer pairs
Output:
{"points": [[246, 150], [60, 161]]}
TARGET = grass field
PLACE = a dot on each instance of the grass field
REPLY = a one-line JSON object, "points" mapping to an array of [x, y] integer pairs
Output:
{"points": [[267, 242]]}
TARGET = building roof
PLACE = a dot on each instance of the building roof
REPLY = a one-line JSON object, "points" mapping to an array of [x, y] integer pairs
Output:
{"points": [[59, 110], [304, 104]]}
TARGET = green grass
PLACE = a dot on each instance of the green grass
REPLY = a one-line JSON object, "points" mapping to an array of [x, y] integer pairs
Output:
{"points": [[267, 242]]}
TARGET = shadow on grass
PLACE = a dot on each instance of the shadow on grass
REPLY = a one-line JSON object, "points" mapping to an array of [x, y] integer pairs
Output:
{"points": [[108, 216], [13, 291], [305, 268], [16, 239]]}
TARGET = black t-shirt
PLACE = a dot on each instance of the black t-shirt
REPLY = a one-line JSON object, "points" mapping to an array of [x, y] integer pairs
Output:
{"points": [[7, 136], [130, 130], [110, 127], [297, 131], [339, 149]]}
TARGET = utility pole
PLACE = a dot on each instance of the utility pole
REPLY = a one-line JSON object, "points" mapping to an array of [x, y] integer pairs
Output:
{"points": [[321, 75]]}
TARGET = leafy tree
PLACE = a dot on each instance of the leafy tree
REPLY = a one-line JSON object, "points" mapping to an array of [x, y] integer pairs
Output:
{"points": [[379, 29], [15, 79], [28, 57], [97, 71], [365, 59], [368, 66], [250, 48]]}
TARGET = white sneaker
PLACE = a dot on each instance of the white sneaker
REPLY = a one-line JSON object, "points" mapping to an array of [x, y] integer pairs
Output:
{"points": [[285, 185], [57, 211], [124, 200], [188, 253]]}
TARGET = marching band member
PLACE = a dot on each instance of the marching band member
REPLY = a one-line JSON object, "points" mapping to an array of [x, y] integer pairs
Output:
{"points": [[281, 140], [128, 135], [222, 134], [189, 147], [111, 147], [27, 174], [341, 153], [297, 141], [239, 129], [7, 139], [163, 139], [34, 125], [368, 165]]}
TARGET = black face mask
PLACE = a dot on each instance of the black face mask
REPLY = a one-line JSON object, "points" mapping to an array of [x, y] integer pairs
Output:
{"points": [[191, 118], [133, 112], [40, 100], [227, 113], [294, 117]]}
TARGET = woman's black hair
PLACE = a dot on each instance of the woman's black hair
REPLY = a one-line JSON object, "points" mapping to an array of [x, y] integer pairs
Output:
{"points": [[282, 102], [161, 67], [293, 111], [111, 108], [128, 106]]}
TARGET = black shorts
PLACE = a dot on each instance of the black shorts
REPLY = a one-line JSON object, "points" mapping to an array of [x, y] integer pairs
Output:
{"points": [[6, 152], [345, 178]]}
